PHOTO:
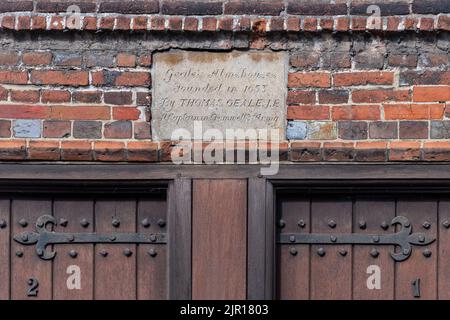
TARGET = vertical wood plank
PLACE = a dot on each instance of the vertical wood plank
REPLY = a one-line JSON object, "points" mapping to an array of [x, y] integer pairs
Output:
{"points": [[115, 274], [256, 248], [293, 270], [418, 266], [373, 213], [444, 250], [4, 248], [29, 265], [73, 211], [270, 285], [331, 274], [219, 239], [151, 270], [180, 239]]}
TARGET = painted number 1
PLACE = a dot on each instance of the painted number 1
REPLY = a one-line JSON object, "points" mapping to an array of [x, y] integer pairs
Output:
{"points": [[416, 288]]}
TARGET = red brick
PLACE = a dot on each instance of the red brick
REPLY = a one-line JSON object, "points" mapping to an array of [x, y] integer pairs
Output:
{"points": [[79, 113], [142, 130], [13, 77], [426, 24], [131, 79], [118, 130], [118, 97], [76, 151], [259, 25], [380, 95], [226, 23], [13, 150], [9, 58], [333, 97], [276, 24], [310, 24], [3, 94], [122, 23], [44, 150], [55, 96], [37, 58], [411, 23], [393, 23], [8, 22], [68, 78], [87, 96], [5, 128], [142, 151], [356, 112], [431, 94], [145, 60], [56, 129], [126, 60], [109, 151], [293, 24], [107, 23], [301, 97], [305, 151], [359, 23], [404, 151], [190, 24], [209, 24], [140, 23], [342, 24], [413, 111], [38, 23], [175, 23], [157, 23], [244, 24], [56, 23], [305, 60], [30, 96], [90, 23], [326, 24], [19, 111], [98, 78], [363, 78], [309, 79], [24, 23], [371, 151], [444, 23], [308, 112], [338, 151], [436, 151], [125, 113]]}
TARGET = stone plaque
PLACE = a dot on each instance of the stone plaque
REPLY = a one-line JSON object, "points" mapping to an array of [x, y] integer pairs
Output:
{"points": [[225, 90]]}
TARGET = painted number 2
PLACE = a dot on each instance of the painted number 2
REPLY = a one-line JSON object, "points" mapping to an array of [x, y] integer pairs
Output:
{"points": [[33, 287]]}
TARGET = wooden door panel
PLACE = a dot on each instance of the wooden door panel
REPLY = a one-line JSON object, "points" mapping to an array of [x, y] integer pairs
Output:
{"points": [[444, 250], [219, 239], [4, 248]]}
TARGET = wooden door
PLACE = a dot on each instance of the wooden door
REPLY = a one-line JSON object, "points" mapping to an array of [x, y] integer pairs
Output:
{"points": [[84, 271], [361, 270]]}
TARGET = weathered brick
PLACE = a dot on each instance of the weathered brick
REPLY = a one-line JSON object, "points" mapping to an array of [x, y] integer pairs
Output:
{"points": [[209, 24], [66, 59], [403, 60], [356, 112], [404, 151], [79, 113], [322, 130], [140, 23], [118, 97], [157, 23], [293, 24], [14, 6], [130, 7], [13, 150], [252, 7], [359, 24], [55, 96], [309, 79], [336, 60], [125, 113], [243, 23], [143, 98], [27, 128], [190, 8], [308, 112], [380, 95], [99, 59], [145, 60], [428, 59], [15, 111], [429, 94], [69, 77], [326, 24], [342, 24], [44, 150], [226, 23], [425, 78], [9, 22], [56, 129], [338, 151], [383, 130], [444, 23], [175, 23], [413, 129], [301, 97], [436, 151], [411, 111], [410, 23], [122, 23], [190, 24], [426, 24], [393, 23], [62, 6], [34, 58], [316, 8], [90, 23], [9, 58], [126, 60], [305, 60], [142, 130], [5, 128], [296, 130], [23, 23], [38, 23], [30, 96], [13, 77], [363, 78], [87, 129], [87, 96], [431, 6], [371, 151], [109, 151], [305, 151], [130, 79], [310, 24], [142, 151], [76, 151], [440, 130], [276, 24], [118, 130], [3, 94], [107, 23], [352, 130], [56, 23], [387, 8], [333, 96]]}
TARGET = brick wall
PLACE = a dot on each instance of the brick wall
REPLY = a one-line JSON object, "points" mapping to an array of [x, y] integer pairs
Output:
{"points": [[356, 91]]}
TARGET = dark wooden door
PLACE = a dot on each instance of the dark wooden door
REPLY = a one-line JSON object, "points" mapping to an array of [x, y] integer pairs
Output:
{"points": [[84, 271], [361, 271]]}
